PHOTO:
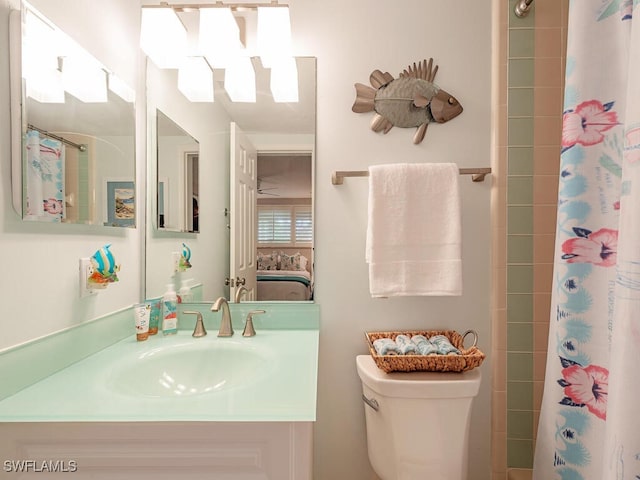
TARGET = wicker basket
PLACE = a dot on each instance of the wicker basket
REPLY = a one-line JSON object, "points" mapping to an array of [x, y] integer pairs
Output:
{"points": [[470, 357]]}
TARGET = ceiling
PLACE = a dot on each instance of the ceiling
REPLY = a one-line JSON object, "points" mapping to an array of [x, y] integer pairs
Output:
{"points": [[284, 176]]}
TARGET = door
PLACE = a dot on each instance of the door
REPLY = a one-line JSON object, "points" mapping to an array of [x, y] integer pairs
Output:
{"points": [[243, 167]]}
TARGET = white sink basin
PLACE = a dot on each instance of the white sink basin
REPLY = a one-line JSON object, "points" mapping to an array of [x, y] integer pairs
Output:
{"points": [[194, 367]]}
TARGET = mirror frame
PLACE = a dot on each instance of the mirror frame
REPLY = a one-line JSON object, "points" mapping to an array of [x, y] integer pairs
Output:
{"points": [[16, 102]]}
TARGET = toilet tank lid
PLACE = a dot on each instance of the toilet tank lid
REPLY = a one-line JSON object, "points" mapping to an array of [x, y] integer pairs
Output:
{"points": [[418, 384]]}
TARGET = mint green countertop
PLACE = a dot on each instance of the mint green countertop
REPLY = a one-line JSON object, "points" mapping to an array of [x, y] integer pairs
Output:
{"points": [[269, 377]]}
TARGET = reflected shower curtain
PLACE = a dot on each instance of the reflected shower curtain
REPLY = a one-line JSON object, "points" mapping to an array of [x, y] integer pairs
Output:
{"points": [[589, 425], [44, 178]]}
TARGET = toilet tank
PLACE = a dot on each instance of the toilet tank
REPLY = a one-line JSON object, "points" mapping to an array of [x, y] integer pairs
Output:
{"points": [[420, 429]]}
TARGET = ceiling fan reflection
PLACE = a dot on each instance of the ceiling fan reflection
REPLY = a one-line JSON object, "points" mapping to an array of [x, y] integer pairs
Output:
{"points": [[263, 191]]}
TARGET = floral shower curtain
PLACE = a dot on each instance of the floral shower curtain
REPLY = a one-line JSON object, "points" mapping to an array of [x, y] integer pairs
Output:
{"points": [[44, 178], [589, 425]]}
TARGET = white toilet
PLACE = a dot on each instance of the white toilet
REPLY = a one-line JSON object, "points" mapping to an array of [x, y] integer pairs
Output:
{"points": [[418, 422]]}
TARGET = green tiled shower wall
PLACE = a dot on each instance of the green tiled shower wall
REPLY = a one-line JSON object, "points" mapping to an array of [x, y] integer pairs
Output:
{"points": [[533, 100], [520, 110]]}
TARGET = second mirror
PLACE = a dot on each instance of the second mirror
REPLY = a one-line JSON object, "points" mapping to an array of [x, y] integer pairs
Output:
{"points": [[178, 185]]}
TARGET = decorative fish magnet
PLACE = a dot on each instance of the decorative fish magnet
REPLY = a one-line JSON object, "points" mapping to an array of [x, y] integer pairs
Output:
{"points": [[184, 263], [411, 100], [104, 268]]}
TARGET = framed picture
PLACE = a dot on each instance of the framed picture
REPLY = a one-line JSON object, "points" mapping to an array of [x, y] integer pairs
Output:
{"points": [[121, 205]]}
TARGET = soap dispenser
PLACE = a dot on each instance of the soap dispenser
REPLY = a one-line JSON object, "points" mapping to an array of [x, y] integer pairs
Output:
{"points": [[185, 293], [170, 311]]}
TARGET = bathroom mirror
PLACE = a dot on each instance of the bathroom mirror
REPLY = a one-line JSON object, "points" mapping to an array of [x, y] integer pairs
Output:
{"points": [[73, 124], [178, 157], [283, 138]]}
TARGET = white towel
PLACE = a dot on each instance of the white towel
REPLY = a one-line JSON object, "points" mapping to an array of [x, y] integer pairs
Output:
{"points": [[413, 236]]}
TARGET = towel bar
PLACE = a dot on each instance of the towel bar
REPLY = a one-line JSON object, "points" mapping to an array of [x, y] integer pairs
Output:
{"points": [[337, 177]]}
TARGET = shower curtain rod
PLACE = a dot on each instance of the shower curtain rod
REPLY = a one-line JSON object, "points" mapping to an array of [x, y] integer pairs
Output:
{"points": [[79, 146], [338, 177], [522, 8]]}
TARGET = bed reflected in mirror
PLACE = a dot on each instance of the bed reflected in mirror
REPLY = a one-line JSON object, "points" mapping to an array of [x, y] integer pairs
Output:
{"points": [[285, 227]]}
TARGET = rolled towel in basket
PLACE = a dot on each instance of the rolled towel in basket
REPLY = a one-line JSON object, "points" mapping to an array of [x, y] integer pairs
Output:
{"points": [[444, 345], [423, 345], [406, 346], [386, 346]]}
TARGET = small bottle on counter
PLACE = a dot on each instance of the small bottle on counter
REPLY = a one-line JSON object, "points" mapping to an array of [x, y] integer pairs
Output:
{"points": [[156, 313], [141, 312], [170, 311]]}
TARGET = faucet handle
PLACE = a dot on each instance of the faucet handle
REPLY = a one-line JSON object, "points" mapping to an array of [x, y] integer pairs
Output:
{"points": [[249, 331], [199, 331]]}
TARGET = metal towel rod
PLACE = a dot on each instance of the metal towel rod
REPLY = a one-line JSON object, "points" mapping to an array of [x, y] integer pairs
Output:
{"points": [[337, 177]]}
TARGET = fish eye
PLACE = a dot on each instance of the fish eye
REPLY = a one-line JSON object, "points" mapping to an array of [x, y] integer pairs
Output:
{"points": [[452, 101]]}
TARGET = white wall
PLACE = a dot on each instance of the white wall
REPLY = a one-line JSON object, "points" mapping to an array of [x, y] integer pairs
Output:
{"points": [[350, 40], [39, 284]]}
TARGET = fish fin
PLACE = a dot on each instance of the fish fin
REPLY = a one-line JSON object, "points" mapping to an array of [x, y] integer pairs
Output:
{"points": [[424, 70], [432, 76], [379, 79], [365, 95], [420, 101], [381, 124], [420, 133]]}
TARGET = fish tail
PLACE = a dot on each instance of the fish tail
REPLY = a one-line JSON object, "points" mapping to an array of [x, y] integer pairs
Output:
{"points": [[365, 97]]}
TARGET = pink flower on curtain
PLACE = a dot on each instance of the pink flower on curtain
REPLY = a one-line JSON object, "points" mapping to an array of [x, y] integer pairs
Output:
{"points": [[599, 248], [53, 206], [585, 125], [586, 387]]}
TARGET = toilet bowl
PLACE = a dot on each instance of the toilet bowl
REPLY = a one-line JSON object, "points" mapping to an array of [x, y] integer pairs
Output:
{"points": [[418, 422]]}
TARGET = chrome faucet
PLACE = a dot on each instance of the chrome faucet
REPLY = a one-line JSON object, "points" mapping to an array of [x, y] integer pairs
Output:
{"points": [[239, 291], [226, 329]]}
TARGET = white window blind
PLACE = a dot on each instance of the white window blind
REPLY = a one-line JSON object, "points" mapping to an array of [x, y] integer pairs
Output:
{"points": [[285, 225], [304, 225]]}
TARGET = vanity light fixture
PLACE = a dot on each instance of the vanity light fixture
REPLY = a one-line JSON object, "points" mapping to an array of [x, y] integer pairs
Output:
{"points": [[124, 91], [40, 65], [163, 36], [284, 80], [240, 80], [219, 36], [195, 80], [274, 34], [83, 77], [52, 63]]}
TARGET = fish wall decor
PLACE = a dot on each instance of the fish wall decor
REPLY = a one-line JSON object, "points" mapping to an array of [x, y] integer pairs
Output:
{"points": [[411, 100]]}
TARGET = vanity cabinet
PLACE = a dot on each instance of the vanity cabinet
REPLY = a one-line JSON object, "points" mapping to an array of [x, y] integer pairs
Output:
{"points": [[160, 450]]}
